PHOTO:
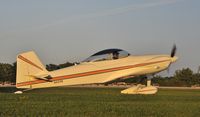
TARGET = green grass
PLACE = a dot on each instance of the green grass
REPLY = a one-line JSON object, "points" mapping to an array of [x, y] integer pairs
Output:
{"points": [[99, 102]]}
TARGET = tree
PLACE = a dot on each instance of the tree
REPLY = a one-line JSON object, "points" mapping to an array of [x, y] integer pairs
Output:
{"points": [[14, 65], [52, 67], [67, 64], [6, 72], [185, 76]]}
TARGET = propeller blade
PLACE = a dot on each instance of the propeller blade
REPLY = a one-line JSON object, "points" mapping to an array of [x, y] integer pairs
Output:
{"points": [[168, 69], [173, 52]]}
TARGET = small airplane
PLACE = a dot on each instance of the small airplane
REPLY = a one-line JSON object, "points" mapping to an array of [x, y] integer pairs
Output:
{"points": [[101, 67]]}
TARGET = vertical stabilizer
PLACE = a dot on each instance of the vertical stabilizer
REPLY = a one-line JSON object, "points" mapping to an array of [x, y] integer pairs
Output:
{"points": [[28, 66]]}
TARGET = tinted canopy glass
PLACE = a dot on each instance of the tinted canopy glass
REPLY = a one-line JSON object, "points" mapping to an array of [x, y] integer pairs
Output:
{"points": [[108, 54]]}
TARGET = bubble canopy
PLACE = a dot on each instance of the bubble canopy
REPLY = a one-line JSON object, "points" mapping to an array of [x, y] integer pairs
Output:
{"points": [[108, 54]]}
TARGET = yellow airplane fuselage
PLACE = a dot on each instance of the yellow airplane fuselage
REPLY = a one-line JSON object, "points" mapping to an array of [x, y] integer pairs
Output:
{"points": [[87, 72]]}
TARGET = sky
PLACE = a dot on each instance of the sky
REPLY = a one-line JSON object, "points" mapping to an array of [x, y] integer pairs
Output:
{"points": [[71, 30]]}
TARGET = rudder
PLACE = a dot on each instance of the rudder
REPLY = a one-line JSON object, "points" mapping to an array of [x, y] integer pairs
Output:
{"points": [[28, 66]]}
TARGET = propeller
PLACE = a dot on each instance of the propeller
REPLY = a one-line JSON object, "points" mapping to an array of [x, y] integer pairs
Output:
{"points": [[173, 53]]}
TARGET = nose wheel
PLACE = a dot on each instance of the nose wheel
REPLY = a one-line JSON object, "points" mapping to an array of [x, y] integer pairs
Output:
{"points": [[142, 89]]}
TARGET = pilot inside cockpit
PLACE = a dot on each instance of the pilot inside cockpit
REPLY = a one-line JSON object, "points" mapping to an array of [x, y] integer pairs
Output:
{"points": [[108, 54], [115, 55]]}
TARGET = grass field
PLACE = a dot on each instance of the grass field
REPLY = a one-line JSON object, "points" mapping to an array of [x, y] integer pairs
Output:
{"points": [[99, 102]]}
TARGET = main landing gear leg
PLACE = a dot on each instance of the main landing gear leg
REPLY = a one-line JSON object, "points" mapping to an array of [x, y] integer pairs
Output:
{"points": [[142, 89]]}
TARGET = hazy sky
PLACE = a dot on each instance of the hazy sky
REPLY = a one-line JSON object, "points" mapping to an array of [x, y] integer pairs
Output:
{"points": [[72, 30]]}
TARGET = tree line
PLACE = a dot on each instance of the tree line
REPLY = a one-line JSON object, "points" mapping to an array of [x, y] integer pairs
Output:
{"points": [[8, 71], [183, 77]]}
